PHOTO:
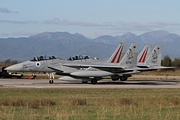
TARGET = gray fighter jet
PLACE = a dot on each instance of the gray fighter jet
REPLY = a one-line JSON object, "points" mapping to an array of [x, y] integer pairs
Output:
{"points": [[41, 64], [96, 71], [125, 68], [151, 60], [52, 65]]}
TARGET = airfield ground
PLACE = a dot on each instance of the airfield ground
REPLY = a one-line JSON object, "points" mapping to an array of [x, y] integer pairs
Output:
{"points": [[89, 104], [141, 97], [44, 83]]}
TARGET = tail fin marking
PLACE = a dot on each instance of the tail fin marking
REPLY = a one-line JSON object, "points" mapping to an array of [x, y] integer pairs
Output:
{"points": [[130, 57], [113, 60], [155, 57], [118, 54], [143, 57]]}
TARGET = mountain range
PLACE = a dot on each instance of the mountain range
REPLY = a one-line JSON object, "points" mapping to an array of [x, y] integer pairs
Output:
{"points": [[64, 44]]}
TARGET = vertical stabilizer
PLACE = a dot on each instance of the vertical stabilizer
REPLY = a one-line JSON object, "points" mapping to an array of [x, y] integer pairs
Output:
{"points": [[130, 57], [144, 54], [118, 54], [154, 58]]}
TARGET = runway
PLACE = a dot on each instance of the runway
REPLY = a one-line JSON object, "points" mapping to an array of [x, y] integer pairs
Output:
{"points": [[43, 83]]}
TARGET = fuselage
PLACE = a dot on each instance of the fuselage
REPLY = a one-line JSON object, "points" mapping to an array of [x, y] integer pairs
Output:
{"points": [[48, 65]]}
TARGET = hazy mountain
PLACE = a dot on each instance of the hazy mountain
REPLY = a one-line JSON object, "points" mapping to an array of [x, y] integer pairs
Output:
{"points": [[64, 44], [107, 39]]}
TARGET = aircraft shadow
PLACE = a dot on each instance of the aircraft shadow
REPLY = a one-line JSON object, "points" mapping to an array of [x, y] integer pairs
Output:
{"points": [[132, 82], [138, 82]]}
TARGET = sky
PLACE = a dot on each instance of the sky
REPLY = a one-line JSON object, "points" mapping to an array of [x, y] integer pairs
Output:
{"points": [[92, 18]]}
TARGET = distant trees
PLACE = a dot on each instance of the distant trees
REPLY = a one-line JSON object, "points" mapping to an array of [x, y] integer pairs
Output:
{"points": [[176, 62], [168, 62], [8, 62]]}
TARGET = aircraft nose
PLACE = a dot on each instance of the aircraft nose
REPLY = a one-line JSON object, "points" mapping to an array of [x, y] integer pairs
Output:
{"points": [[16, 67]]}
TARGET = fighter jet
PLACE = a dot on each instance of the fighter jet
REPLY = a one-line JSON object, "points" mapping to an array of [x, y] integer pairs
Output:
{"points": [[95, 72], [40, 64], [52, 65], [153, 60]]}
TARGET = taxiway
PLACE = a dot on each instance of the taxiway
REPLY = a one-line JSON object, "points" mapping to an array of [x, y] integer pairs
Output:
{"points": [[43, 83]]}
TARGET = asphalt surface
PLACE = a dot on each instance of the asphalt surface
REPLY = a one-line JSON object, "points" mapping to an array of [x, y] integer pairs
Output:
{"points": [[44, 83]]}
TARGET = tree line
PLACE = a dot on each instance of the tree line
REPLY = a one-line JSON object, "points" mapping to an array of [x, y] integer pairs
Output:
{"points": [[8, 62], [168, 62]]}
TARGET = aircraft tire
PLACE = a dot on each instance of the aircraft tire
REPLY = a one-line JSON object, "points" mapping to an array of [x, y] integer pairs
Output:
{"points": [[124, 78], [51, 81], [94, 81], [115, 78]]}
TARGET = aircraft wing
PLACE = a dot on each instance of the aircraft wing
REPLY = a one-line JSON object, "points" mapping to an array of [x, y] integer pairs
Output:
{"points": [[104, 67], [57, 69], [92, 65]]}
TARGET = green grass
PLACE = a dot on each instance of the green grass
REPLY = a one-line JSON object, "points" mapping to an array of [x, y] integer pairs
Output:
{"points": [[89, 104]]}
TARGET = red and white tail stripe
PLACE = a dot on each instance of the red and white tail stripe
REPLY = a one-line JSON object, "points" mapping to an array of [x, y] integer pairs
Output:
{"points": [[144, 54], [143, 57], [118, 55]]}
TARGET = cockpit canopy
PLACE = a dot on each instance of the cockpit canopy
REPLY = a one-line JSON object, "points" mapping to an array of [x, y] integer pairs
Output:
{"points": [[81, 57], [40, 58]]}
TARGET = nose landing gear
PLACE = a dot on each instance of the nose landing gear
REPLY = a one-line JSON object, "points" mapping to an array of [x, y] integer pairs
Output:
{"points": [[51, 77]]}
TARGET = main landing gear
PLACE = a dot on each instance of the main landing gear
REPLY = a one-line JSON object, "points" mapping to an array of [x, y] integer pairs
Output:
{"points": [[94, 81], [51, 77], [123, 78], [51, 81]]}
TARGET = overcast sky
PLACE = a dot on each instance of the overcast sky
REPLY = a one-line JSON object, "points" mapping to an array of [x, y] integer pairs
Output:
{"points": [[91, 18]]}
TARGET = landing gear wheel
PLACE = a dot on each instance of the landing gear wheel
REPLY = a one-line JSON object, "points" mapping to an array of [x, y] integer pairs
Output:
{"points": [[124, 78], [51, 81], [93, 81]]}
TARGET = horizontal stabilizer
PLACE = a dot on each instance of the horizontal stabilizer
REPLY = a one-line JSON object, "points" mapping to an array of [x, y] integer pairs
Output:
{"points": [[162, 67]]}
